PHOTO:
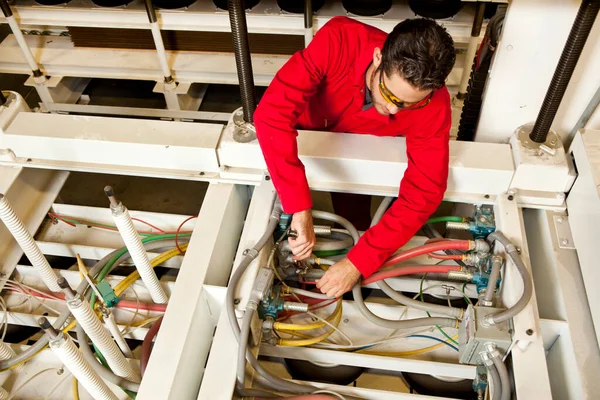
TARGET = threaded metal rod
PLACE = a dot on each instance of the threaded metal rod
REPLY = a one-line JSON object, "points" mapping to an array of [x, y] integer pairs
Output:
{"points": [[566, 65], [241, 49]]}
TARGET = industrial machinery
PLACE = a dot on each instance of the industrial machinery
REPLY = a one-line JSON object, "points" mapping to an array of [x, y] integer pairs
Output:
{"points": [[494, 298]]}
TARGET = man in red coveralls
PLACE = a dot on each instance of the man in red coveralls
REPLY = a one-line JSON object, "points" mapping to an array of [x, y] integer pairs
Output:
{"points": [[354, 78]]}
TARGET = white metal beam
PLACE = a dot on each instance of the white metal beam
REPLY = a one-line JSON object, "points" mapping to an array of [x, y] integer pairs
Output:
{"points": [[31, 193], [178, 358]]}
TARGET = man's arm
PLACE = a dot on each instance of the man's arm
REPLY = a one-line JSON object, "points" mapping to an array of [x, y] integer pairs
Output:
{"points": [[421, 192], [275, 120]]}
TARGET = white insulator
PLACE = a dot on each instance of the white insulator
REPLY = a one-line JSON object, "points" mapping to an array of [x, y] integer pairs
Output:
{"points": [[4, 394], [28, 244], [138, 254], [110, 322], [72, 358], [88, 320]]}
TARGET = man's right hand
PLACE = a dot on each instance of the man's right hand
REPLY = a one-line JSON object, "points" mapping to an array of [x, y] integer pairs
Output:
{"points": [[302, 245]]}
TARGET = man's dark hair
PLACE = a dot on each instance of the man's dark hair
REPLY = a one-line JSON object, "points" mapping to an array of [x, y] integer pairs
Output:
{"points": [[421, 51]]}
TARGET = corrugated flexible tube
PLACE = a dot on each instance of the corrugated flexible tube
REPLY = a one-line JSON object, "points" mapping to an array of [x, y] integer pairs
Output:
{"points": [[503, 374], [493, 279], [62, 318], [136, 249], [89, 321], [73, 359], [30, 248], [513, 253]]}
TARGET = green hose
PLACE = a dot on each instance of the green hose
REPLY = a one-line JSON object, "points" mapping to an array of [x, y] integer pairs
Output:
{"points": [[129, 393], [445, 219], [330, 253]]}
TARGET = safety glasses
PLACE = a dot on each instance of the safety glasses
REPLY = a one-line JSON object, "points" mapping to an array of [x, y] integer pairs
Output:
{"points": [[394, 100]]}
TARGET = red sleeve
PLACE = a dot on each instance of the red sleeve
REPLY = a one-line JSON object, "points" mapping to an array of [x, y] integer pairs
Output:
{"points": [[282, 104], [421, 192]]}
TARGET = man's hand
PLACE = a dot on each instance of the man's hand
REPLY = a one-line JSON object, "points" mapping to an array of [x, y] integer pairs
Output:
{"points": [[302, 245], [339, 278]]}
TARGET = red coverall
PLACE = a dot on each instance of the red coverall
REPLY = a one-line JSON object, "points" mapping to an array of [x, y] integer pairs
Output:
{"points": [[323, 88]]}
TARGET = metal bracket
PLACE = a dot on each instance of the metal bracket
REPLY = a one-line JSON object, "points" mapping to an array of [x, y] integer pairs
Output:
{"points": [[563, 232]]}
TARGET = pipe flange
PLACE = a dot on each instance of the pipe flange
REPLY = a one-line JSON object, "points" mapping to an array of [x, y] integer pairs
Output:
{"points": [[243, 132], [552, 143]]}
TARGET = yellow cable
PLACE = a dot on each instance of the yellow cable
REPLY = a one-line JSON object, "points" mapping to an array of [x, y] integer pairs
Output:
{"points": [[75, 389], [337, 316], [130, 280], [282, 326], [119, 289], [407, 353]]}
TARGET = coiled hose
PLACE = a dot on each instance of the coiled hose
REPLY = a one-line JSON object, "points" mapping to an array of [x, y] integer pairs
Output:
{"points": [[30, 248], [138, 254], [73, 359], [243, 62], [588, 11]]}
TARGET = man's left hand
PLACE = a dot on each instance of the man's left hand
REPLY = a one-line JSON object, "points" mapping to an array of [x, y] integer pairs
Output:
{"points": [[339, 279]]}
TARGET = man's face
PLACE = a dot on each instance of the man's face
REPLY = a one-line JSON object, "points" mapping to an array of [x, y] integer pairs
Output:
{"points": [[395, 85]]}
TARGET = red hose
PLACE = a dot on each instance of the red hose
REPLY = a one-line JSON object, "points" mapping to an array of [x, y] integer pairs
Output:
{"points": [[428, 248], [410, 270], [147, 344], [142, 306], [446, 256]]}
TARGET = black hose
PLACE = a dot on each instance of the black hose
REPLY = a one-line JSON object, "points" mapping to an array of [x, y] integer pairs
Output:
{"points": [[478, 20], [241, 48], [3, 99], [5, 8], [308, 14], [566, 65]]}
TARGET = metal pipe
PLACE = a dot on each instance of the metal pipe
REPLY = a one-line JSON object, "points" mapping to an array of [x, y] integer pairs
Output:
{"points": [[566, 65], [243, 62], [587, 113], [308, 22], [62, 345], [492, 280], [28, 245], [158, 42], [16, 30], [471, 49], [136, 248]]}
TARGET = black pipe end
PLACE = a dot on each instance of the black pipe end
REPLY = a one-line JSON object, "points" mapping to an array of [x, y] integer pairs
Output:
{"points": [[5, 8], [44, 323], [108, 191], [62, 282]]}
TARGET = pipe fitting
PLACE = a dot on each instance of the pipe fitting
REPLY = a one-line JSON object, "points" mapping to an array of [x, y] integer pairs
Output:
{"points": [[295, 306], [461, 276], [485, 357], [458, 226], [482, 247]]}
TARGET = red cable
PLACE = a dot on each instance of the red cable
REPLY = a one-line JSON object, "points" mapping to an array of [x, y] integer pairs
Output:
{"points": [[142, 306], [149, 224], [56, 217], [455, 257], [147, 344], [410, 270], [428, 248], [179, 231]]}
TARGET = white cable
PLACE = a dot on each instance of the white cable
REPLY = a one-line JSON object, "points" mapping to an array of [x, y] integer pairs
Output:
{"points": [[339, 396], [109, 320], [307, 293], [160, 49], [51, 392], [335, 328], [30, 248], [16, 30], [88, 320], [3, 394], [138, 253], [72, 358]]}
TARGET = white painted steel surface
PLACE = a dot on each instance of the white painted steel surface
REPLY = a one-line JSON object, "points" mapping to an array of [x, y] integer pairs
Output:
{"points": [[533, 37], [114, 141], [567, 327], [183, 342], [584, 214]]}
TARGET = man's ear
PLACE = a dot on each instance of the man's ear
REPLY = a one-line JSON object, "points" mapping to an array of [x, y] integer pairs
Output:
{"points": [[377, 57]]}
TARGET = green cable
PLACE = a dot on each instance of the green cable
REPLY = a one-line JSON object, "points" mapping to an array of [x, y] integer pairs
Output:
{"points": [[129, 393], [112, 261], [429, 315], [330, 253], [445, 219]]}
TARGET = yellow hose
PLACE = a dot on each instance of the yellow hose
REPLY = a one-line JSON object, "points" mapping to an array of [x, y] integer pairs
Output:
{"points": [[406, 353], [336, 317], [75, 389], [282, 326], [130, 280]]}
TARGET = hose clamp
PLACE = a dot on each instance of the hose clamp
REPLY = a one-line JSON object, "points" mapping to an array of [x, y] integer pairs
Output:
{"points": [[252, 253]]}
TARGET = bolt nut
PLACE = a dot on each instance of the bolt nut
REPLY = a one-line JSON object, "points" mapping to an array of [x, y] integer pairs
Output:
{"points": [[560, 196], [511, 197], [236, 301], [559, 220], [529, 332], [564, 242], [346, 320]]}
